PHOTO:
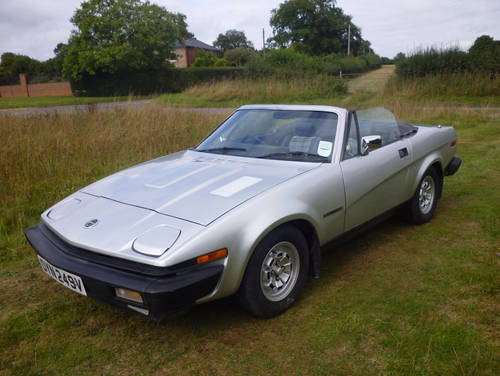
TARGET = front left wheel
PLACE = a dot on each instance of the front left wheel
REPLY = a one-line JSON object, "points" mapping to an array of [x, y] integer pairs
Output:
{"points": [[276, 273]]}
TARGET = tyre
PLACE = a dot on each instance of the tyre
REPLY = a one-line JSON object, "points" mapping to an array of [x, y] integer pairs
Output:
{"points": [[276, 273], [423, 203]]}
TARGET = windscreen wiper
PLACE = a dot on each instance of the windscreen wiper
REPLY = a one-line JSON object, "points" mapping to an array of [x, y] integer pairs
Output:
{"points": [[293, 154], [224, 148]]}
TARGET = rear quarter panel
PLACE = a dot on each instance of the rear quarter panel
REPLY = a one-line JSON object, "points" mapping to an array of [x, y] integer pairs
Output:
{"points": [[431, 144]]}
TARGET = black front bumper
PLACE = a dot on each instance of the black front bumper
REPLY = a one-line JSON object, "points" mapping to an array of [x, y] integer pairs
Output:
{"points": [[164, 290]]}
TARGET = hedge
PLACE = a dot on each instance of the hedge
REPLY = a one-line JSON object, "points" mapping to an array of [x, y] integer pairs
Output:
{"points": [[173, 80]]}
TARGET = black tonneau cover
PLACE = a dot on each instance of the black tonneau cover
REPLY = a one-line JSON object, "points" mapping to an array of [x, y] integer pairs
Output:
{"points": [[406, 129]]}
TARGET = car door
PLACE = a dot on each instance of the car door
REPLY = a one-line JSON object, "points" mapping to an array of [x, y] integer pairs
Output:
{"points": [[375, 182]]}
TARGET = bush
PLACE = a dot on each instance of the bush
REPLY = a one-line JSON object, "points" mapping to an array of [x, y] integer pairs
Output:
{"points": [[482, 57], [485, 55], [239, 56], [283, 64], [9, 79], [290, 62], [204, 59], [221, 63], [433, 61], [149, 82]]}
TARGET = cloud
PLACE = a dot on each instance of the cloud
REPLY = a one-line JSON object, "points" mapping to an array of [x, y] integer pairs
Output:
{"points": [[405, 25], [207, 19], [34, 28]]}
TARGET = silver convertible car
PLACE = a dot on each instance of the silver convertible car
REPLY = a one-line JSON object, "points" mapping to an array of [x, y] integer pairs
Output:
{"points": [[246, 212]]}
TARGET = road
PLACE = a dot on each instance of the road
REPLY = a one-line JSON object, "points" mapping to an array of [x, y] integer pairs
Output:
{"points": [[96, 107]]}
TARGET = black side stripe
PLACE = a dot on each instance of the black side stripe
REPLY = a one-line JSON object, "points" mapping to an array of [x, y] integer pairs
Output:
{"points": [[332, 212]]}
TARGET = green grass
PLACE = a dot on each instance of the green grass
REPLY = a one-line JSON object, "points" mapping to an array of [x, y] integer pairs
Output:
{"points": [[55, 101], [399, 299]]}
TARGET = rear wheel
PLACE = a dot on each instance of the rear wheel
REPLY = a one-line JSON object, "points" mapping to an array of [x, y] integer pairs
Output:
{"points": [[423, 204], [276, 273]]}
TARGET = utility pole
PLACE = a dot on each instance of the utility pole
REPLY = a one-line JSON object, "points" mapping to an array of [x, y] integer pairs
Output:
{"points": [[349, 39], [263, 42]]}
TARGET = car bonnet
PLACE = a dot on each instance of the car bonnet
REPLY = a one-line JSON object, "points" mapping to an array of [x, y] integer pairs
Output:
{"points": [[193, 186]]}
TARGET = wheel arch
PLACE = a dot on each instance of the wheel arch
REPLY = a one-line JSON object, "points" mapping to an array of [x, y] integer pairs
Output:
{"points": [[431, 162], [311, 236], [308, 230]]}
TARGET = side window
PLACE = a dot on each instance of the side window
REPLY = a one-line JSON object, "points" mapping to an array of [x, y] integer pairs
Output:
{"points": [[378, 122], [352, 141]]}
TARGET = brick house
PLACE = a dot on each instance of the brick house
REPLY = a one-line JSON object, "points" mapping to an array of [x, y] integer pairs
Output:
{"points": [[186, 51]]}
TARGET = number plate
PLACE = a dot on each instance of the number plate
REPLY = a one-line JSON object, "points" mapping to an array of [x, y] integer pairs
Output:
{"points": [[71, 281]]}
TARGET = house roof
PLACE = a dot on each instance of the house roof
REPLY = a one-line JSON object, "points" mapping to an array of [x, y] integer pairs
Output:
{"points": [[195, 43]]}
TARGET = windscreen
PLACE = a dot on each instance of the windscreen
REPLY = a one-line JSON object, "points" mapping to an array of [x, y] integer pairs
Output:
{"points": [[275, 134]]}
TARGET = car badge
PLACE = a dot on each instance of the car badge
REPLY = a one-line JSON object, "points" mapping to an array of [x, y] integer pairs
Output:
{"points": [[91, 223]]}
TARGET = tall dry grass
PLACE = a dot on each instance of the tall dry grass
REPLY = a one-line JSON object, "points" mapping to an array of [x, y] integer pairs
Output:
{"points": [[444, 85], [45, 158], [266, 90]]}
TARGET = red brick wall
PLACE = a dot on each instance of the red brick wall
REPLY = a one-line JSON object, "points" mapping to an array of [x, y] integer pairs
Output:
{"points": [[35, 90], [52, 89], [12, 91]]}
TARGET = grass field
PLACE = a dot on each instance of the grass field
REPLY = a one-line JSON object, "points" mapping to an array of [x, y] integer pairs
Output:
{"points": [[55, 101], [377, 87], [234, 93], [399, 299], [457, 89]]}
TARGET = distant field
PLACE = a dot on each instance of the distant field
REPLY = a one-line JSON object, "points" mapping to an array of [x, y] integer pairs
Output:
{"points": [[54, 101], [234, 93], [399, 299], [458, 89], [375, 88]]}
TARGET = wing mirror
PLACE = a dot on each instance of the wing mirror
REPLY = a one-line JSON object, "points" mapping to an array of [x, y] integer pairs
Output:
{"points": [[370, 143]]}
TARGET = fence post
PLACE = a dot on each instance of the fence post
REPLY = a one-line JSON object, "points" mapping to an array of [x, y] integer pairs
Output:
{"points": [[24, 84]]}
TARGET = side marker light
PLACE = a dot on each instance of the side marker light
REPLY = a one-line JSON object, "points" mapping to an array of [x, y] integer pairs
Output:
{"points": [[212, 256]]}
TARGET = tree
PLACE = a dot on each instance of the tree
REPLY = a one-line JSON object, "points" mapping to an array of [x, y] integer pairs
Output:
{"points": [[52, 68], [232, 39], [485, 55], [399, 57], [12, 64], [121, 35], [317, 27], [239, 56]]}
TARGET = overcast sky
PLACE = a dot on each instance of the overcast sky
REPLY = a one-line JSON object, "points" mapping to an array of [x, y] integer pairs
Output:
{"points": [[34, 27]]}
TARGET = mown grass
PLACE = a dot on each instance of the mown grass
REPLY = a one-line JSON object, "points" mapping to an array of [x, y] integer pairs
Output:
{"points": [[399, 299], [55, 101]]}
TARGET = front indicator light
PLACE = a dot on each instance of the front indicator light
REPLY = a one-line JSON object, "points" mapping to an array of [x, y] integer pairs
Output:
{"points": [[212, 256], [133, 296]]}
